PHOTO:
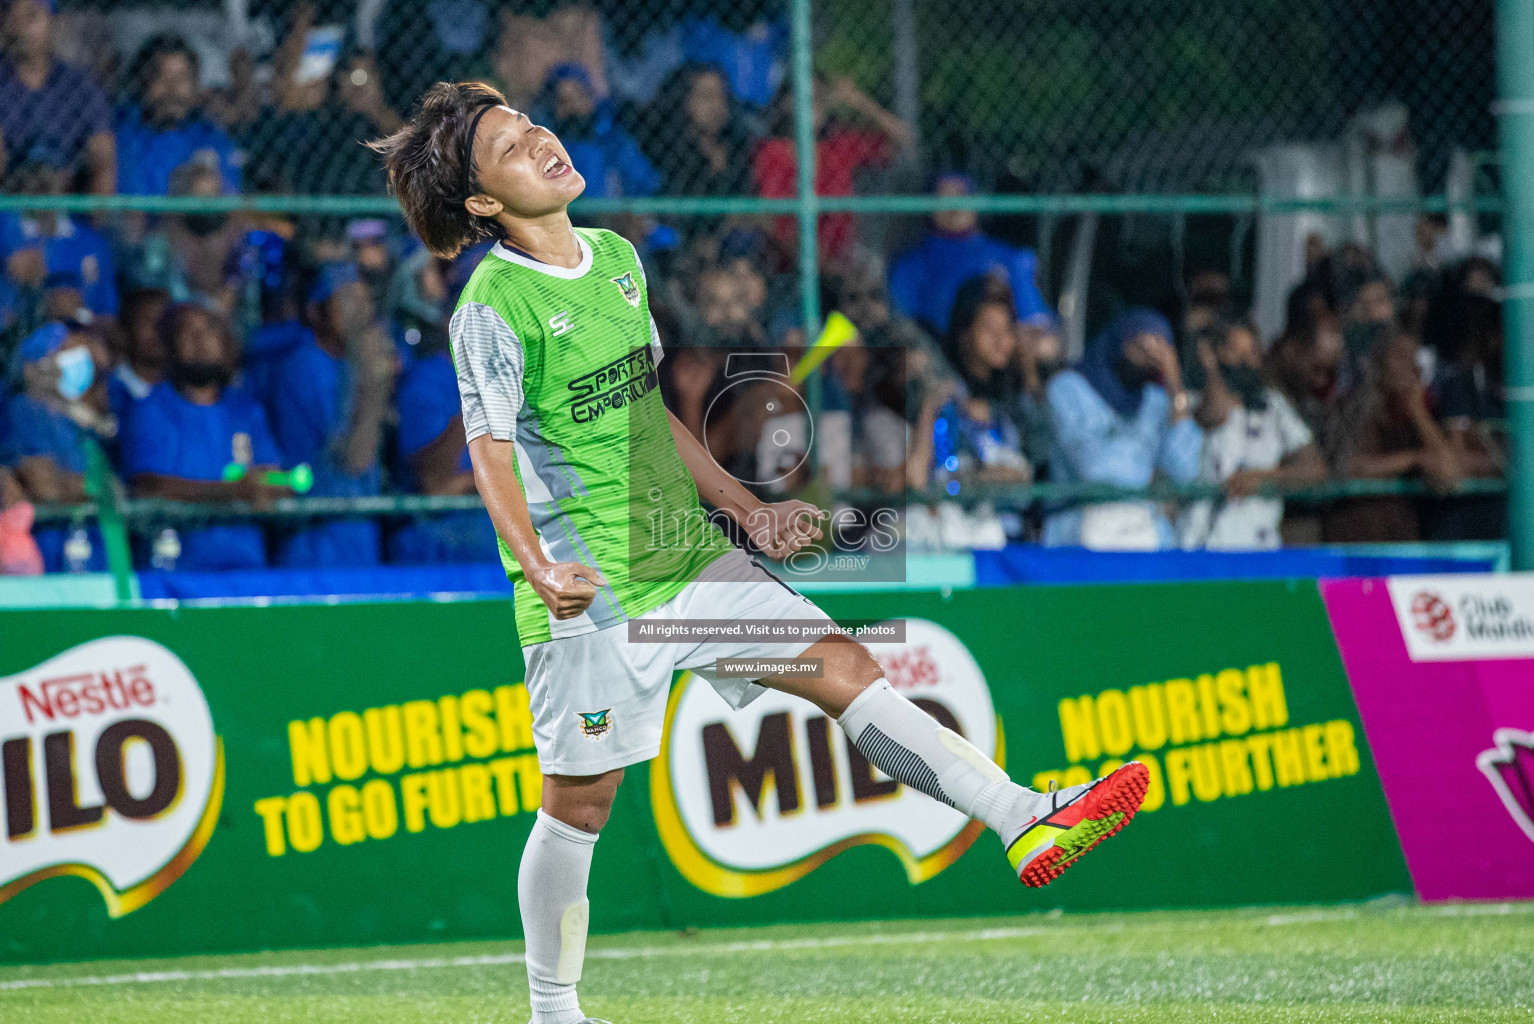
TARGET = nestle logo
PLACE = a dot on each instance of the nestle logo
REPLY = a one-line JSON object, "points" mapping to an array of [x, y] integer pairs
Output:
{"points": [[1432, 615], [87, 693]]}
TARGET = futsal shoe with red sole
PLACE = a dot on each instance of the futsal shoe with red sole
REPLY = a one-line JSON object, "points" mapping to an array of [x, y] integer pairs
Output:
{"points": [[1074, 821]]}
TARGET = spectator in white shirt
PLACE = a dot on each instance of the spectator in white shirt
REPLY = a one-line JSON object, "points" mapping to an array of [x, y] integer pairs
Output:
{"points": [[1252, 438]]}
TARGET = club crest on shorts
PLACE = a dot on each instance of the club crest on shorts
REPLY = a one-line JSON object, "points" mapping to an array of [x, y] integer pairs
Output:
{"points": [[627, 286], [596, 724]]}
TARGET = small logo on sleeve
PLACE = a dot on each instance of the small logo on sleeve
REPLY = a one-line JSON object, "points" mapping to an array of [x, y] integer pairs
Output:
{"points": [[596, 724]]}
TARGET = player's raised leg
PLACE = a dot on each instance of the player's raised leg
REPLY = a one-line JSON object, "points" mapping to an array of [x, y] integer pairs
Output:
{"points": [[1043, 833], [551, 889]]}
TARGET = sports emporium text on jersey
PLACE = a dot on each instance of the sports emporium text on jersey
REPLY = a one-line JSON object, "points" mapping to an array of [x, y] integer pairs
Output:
{"points": [[621, 382]]}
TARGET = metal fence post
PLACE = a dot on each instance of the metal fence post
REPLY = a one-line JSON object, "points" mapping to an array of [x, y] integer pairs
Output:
{"points": [[804, 148], [101, 487], [1515, 110]]}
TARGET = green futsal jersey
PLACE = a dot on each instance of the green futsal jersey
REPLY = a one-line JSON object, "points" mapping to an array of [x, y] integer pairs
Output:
{"points": [[563, 364]]}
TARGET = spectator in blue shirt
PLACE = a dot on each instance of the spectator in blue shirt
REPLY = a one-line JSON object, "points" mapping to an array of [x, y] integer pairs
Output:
{"points": [[47, 104], [1120, 416], [432, 458], [165, 128], [178, 442], [145, 358], [587, 126], [328, 403], [925, 281], [282, 332], [46, 430], [35, 245]]}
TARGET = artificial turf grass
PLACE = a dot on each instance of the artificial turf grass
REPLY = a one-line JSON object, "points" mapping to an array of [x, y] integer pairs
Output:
{"points": [[1357, 964]]}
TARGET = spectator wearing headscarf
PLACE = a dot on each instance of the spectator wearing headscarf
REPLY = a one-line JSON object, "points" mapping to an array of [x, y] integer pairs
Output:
{"points": [[1119, 417]]}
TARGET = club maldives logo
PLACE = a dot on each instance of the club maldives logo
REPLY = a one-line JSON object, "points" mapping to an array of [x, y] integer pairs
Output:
{"points": [[110, 769], [1465, 618], [1432, 616], [1509, 766], [750, 801]]}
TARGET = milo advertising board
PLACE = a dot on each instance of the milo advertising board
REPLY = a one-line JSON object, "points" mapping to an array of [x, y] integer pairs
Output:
{"points": [[208, 779]]}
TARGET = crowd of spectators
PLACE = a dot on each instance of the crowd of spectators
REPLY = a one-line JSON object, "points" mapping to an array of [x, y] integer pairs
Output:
{"points": [[203, 351]]}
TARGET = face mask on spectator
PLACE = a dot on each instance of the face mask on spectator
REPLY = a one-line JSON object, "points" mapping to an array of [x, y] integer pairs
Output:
{"points": [[200, 375], [77, 372], [1247, 384]]}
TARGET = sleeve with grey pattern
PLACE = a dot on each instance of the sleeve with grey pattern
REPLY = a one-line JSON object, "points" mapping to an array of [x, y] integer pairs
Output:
{"points": [[488, 358], [656, 352]]}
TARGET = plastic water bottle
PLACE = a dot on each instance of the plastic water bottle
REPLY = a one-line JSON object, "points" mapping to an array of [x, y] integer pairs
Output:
{"points": [[166, 549], [77, 551]]}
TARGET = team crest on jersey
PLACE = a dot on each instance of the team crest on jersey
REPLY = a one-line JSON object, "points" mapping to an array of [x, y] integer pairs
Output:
{"points": [[629, 289], [596, 724]]}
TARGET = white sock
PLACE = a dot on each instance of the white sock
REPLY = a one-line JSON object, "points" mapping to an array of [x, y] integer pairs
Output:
{"points": [[908, 745], [551, 892]]}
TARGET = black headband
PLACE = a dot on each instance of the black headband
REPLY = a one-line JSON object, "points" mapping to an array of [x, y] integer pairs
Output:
{"points": [[468, 154]]}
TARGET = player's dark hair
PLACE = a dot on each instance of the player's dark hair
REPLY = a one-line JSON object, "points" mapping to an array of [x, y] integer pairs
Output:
{"points": [[431, 166]]}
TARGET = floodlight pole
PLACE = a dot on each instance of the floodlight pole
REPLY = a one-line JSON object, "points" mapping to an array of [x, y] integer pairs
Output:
{"points": [[1515, 116]]}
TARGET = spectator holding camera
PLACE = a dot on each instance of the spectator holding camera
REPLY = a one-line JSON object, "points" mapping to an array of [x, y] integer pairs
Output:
{"points": [[163, 127], [1120, 417], [1252, 438], [47, 105], [321, 114], [192, 433]]}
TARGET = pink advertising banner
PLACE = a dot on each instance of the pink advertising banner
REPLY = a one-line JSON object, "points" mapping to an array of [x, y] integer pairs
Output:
{"points": [[1442, 669]]}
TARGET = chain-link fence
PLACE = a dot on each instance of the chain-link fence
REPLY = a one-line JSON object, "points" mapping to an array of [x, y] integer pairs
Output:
{"points": [[1274, 162]]}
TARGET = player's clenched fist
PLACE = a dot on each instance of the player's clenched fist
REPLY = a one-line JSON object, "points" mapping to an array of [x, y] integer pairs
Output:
{"points": [[568, 588], [780, 529]]}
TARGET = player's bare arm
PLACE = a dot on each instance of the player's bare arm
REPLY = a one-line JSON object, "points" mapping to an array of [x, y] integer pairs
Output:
{"points": [[778, 529], [566, 587]]}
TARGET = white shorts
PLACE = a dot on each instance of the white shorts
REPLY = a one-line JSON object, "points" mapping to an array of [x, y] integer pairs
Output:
{"points": [[599, 700]]}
